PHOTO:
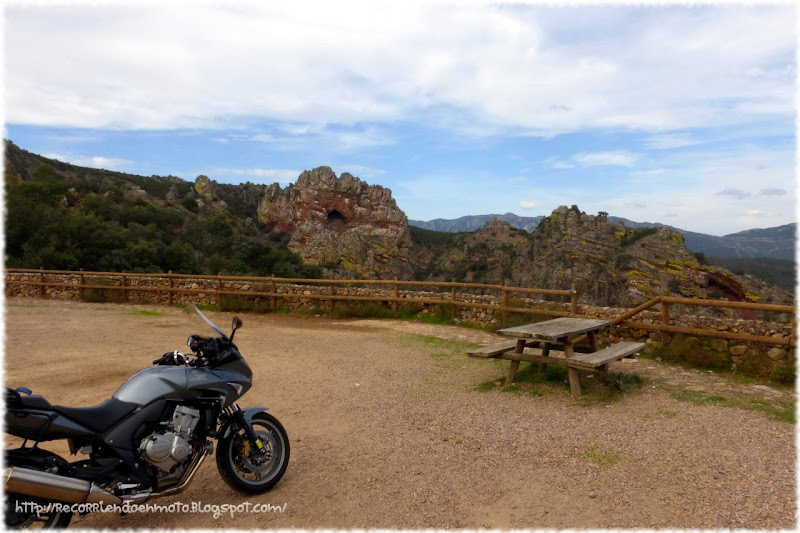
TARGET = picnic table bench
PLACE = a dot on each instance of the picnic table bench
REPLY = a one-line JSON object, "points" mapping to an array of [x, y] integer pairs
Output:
{"points": [[558, 335]]}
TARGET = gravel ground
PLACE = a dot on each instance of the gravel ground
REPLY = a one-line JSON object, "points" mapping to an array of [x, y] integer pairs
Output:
{"points": [[388, 430]]}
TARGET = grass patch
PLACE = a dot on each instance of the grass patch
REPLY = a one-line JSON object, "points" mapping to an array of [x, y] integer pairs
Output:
{"points": [[103, 296], [189, 308], [486, 386], [513, 389], [599, 456], [624, 382], [532, 373], [594, 390], [408, 311], [361, 310], [243, 304], [779, 410], [287, 311], [147, 313]]}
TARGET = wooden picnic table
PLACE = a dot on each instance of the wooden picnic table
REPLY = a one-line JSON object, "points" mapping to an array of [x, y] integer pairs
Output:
{"points": [[559, 333]]}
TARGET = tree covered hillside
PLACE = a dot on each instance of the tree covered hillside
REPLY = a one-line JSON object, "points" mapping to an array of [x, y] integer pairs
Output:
{"points": [[60, 216]]}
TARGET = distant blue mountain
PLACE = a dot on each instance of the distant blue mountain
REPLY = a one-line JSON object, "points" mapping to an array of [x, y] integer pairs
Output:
{"points": [[775, 243]]}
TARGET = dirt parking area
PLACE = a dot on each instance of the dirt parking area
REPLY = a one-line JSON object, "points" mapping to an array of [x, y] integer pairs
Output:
{"points": [[389, 429]]}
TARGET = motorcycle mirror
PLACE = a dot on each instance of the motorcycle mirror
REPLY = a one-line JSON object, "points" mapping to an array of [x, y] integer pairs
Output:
{"points": [[237, 323]]}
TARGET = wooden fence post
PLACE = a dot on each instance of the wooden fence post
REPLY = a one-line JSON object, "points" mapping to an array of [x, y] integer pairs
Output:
{"points": [[219, 288], [124, 284], [80, 285], [41, 280], [272, 299], [665, 308], [169, 293], [505, 303], [332, 301], [396, 296], [453, 299], [574, 298]]}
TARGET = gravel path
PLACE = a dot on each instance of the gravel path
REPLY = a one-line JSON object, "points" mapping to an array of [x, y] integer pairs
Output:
{"points": [[388, 430]]}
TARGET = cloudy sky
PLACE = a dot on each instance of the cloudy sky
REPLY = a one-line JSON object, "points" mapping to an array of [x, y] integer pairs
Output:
{"points": [[677, 114]]}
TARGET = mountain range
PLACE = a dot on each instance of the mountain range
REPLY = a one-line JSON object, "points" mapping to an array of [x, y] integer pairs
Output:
{"points": [[774, 243], [64, 217]]}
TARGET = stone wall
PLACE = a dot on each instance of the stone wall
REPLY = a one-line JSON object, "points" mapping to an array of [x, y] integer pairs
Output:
{"points": [[752, 358]]}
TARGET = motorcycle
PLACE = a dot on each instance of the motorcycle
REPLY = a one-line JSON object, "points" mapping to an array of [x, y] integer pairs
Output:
{"points": [[148, 440]]}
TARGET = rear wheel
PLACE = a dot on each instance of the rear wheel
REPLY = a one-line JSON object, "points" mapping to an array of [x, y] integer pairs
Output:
{"points": [[27, 512], [247, 469]]}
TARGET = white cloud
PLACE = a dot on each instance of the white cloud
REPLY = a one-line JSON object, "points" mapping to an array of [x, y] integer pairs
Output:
{"points": [[621, 159], [666, 141], [262, 138], [316, 137], [594, 159], [739, 194], [107, 163], [534, 70], [772, 192], [527, 206]]}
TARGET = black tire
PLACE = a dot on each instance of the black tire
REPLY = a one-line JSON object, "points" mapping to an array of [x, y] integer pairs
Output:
{"points": [[236, 465], [18, 508], [19, 514]]}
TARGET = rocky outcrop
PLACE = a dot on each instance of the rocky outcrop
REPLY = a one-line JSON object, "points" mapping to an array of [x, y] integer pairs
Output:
{"points": [[205, 187], [492, 254], [341, 223], [572, 247], [615, 265], [610, 263]]}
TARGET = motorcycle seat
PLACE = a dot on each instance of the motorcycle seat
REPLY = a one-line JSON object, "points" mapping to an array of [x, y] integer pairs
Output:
{"points": [[100, 417], [15, 400]]}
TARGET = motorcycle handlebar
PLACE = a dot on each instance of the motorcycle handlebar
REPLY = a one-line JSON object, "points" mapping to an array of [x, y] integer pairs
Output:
{"points": [[172, 358]]}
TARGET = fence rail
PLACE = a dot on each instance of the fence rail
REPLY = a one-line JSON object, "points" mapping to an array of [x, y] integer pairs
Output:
{"points": [[395, 298]]}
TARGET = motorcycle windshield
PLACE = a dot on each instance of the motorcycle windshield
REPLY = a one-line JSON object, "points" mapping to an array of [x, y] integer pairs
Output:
{"points": [[208, 321]]}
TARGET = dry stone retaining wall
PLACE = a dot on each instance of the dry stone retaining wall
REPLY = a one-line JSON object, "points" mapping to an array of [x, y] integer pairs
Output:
{"points": [[751, 358]]}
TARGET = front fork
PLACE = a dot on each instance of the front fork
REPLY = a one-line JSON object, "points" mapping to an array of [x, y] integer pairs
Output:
{"points": [[235, 413]]}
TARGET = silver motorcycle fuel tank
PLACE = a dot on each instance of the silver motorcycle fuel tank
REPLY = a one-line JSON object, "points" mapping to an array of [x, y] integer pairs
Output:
{"points": [[186, 383]]}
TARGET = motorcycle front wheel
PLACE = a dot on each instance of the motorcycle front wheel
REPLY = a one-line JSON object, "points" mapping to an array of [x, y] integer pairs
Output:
{"points": [[252, 471]]}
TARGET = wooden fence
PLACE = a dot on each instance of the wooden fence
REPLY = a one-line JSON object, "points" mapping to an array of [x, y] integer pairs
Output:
{"points": [[219, 281]]}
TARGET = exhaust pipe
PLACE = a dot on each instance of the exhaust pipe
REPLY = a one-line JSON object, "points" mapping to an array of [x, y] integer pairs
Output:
{"points": [[57, 488]]}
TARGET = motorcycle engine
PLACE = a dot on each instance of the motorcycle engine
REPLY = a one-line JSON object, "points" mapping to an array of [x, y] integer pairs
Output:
{"points": [[167, 448]]}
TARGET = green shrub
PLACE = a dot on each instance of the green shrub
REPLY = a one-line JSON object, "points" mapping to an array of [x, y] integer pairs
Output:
{"points": [[784, 374], [361, 310], [190, 204], [635, 235], [624, 382], [103, 296], [243, 304]]}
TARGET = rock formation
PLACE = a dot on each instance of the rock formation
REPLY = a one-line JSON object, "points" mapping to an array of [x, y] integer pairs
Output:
{"points": [[344, 225], [611, 264], [615, 265]]}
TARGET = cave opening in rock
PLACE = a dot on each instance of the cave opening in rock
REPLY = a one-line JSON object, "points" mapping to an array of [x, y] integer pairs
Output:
{"points": [[336, 216]]}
